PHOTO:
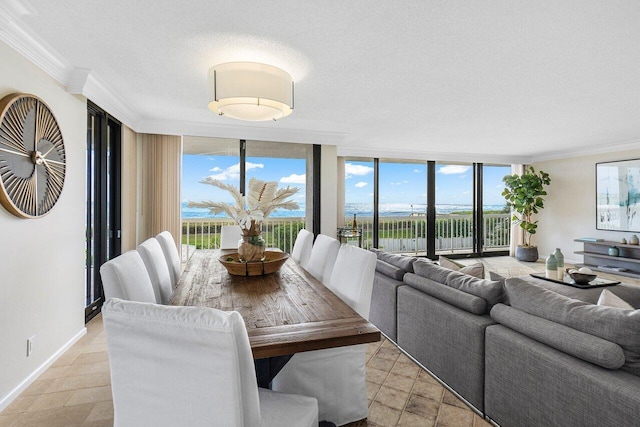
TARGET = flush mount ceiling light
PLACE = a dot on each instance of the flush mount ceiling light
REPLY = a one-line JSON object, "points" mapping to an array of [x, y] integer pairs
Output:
{"points": [[250, 91]]}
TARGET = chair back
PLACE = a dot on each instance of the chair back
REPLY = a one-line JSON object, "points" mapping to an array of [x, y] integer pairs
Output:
{"points": [[171, 254], [352, 278], [179, 366], [126, 277], [302, 248], [229, 236], [323, 256], [158, 269]]}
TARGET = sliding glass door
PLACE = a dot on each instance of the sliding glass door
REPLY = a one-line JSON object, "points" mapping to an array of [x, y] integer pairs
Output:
{"points": [[103, 201]]}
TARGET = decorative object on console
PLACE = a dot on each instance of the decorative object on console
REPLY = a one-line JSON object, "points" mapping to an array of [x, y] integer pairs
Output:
{"points": [[613, 251], [551, 270], [623, 241], [560, 260], [250, 91], [618, 196], [249, 212], [523, 193], [32, 156], [633, 240]]}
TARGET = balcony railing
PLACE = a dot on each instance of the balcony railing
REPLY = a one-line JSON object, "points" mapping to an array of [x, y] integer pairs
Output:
{"points": [[406, 234]]}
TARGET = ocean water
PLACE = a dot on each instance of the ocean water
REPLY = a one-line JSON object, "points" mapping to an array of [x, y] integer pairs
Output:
{"points": [[360, 209]]}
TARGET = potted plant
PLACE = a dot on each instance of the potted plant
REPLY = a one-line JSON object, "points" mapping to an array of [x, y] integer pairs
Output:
{"points": [[523, 194], [250, 211]]}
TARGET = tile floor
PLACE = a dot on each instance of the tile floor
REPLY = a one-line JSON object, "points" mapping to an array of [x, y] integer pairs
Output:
{"points": [[76, 391]]}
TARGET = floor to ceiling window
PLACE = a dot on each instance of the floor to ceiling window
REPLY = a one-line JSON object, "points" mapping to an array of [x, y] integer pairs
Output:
{"points": [[428, 208], [402, 225], [454, 208], [496, 213], [235, 162], [103, 201], [358, 196]]}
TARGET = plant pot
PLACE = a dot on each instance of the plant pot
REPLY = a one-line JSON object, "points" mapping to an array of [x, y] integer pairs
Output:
{"points": [[527, 253], [251, 248]]}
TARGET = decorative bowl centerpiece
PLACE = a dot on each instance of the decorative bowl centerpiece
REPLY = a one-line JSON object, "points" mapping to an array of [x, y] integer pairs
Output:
{"points": [[249, 212], [581, 276], [271, 263]]}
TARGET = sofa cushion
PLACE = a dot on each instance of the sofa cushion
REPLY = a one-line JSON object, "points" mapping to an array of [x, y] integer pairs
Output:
{"points": [[389, 270], [401, 261], [610, 299], [568, 340], [490, 291], [430, 270], [475, 270], [454, 297], [612, 324]]}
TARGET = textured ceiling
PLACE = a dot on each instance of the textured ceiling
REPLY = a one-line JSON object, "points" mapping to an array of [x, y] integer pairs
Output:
{"points": [[476, 80]]}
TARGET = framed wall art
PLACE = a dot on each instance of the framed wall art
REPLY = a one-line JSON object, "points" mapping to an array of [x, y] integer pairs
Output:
{"points": [[618, 195]]}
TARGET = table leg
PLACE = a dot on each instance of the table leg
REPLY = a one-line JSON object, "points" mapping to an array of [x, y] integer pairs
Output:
{"points": [[268, 368]]}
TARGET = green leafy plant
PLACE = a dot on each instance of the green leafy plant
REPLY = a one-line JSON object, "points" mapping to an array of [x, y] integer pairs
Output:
{"points": [[524, 194]]}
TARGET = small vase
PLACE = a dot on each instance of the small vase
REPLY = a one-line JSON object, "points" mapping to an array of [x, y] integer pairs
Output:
{"points": [[551, 267], [614, 251], [251, 248], [633, 240], [560, 260]]}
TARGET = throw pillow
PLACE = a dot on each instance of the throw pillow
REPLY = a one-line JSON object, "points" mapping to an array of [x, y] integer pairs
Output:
{"points": [[610, 299], [475, 270]]}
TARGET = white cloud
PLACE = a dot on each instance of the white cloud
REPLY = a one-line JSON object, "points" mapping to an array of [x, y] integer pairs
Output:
{"points": [[500, 186], [361, 184], [294, 179], [232, 173], [416, 171], [359, 170], [453, 169], [405, 182]]}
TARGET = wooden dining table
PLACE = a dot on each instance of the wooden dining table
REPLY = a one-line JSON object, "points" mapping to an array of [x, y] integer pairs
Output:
{"points": [[285, 312]]}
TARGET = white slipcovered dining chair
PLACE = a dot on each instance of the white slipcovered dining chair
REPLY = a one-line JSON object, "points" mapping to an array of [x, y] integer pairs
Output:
{"points": [[190, 366], [171, 254], [323, 256], [158, 269], [229, 236], [126, 277], [302, 248], [336, 376]]}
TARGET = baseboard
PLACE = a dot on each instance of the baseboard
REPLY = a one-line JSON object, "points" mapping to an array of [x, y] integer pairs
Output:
{"points": [[6, 400]]}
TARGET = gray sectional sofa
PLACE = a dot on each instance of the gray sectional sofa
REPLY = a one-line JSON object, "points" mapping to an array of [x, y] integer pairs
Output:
{"points": [[522, 351]]}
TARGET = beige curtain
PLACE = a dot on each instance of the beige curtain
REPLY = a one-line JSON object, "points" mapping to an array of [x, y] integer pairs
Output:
{"points": [[517, 233], [160, 174]]}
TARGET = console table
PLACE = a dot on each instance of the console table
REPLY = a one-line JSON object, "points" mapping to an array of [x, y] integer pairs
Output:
{"points": [[596, 257]]}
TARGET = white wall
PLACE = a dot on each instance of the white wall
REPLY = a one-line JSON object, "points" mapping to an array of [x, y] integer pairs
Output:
{"points": [[42, 260], [570, 207]]}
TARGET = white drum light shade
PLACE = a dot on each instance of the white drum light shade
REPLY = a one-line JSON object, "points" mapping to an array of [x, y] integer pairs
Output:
{"points": [[250, 91]]}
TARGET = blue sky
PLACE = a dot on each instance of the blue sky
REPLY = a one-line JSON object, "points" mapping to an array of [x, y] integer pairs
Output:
{"points": [[403, 183], [227, 169], [406, 183]]}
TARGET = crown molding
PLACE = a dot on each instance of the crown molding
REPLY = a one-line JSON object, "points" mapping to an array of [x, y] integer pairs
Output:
{"points": [[588, 151], [368, 152], [258, 133], [80, 81], [16, 34]]}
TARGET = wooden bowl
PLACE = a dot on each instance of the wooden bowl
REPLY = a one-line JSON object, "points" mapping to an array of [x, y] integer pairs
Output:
{"points": [[273, 260]]}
